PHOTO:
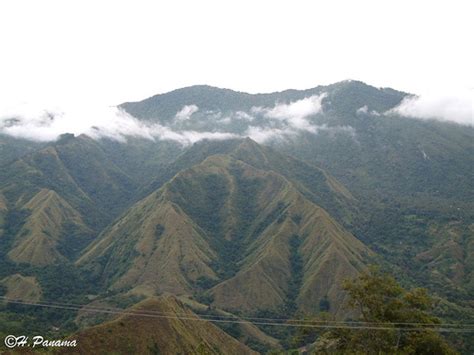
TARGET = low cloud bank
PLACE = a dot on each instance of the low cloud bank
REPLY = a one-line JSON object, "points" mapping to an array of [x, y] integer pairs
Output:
{"points": [[190, 124], [457, 107], [38, 124], [282, 121]]}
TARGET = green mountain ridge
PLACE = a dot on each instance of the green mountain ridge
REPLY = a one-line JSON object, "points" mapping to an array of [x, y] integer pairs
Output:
{"points": [[197, 227], [75, 168], [235, 226], [39, 240], [163, 107], [316, 184]]}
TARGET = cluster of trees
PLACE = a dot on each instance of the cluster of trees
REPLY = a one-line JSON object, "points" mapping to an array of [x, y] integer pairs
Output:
{"points": [[391, 320]]}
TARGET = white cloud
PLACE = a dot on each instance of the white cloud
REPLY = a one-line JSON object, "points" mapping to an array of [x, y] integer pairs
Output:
{"points": [[280, 122], [295, 113], [362, 110], [186, 112], [36, 123], [301, 108], [46, 122], [454, 107], [264, 134], [189, 137], [241, 115]]}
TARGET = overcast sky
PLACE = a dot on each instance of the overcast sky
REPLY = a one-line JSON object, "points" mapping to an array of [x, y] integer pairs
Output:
{"points": [[74, 56], [127, 50]]}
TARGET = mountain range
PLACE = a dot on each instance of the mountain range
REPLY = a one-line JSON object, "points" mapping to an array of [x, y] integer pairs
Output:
{"points": [[248, 205]]}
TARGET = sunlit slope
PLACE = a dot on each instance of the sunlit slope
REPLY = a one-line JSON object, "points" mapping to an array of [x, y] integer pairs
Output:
{"points": [[165, 334], [40, 239], [246, 235]]}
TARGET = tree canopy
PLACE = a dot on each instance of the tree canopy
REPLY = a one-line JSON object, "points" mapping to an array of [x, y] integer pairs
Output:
{"points": [[401, 317]]}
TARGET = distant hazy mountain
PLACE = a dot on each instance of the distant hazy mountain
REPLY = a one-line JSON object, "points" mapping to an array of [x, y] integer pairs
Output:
{"points": [[207, 98]]}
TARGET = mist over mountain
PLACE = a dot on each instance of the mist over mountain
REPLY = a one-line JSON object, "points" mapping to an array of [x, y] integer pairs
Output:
{"points": [[202, 112], [248, 205]]}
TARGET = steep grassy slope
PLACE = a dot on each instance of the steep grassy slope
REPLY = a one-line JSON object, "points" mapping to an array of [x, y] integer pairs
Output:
{"points": [[243, 331], [25, 288], [78, 170], [155, 247], [299, 259], [158, 335], [40, 241], [224, 222], [314, 183], [406, 174]]}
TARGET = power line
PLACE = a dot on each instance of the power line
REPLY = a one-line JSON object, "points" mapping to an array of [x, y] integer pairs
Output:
{"points": [[92, 308], [250, 319], [436, 327]]}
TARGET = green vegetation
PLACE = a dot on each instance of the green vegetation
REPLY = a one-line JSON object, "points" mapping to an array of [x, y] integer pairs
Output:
{"points": [[324, 305], [245, 227], [381, 301], [294, 286], [224, 240]]}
